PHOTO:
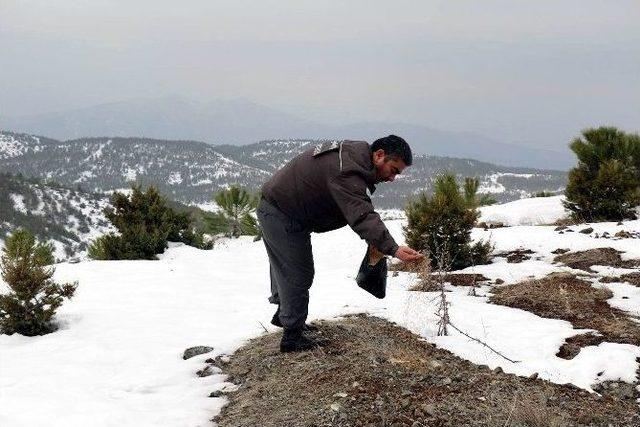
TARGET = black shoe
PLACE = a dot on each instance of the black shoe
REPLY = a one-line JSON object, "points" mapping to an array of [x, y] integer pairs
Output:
{"points": [[293, 341], [275, 321]]}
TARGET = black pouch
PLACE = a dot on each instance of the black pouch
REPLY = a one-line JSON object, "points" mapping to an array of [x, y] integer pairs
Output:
{"points": [[373, 278]]}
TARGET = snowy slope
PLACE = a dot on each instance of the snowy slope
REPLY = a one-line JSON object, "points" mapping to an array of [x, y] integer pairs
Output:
{"points": [[116, 361], [68, 218], [534, 211]]}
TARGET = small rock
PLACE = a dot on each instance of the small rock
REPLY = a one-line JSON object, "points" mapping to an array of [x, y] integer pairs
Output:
{"points": [[216, 393], [196, 351], [340, 395], [498, 370], [435, 364], [405, 403], [428, 409], [207, 371], [499, 281], [587, 230], [446, 381], [335, 407], [560, 228], [355, 384], [533, 376], [407, 393]]}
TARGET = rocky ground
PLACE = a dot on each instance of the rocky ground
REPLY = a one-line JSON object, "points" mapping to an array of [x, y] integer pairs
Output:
{"points": [[374, 373]]}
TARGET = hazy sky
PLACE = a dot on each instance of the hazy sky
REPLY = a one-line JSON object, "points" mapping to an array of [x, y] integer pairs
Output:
{"points": [[532, 72]]}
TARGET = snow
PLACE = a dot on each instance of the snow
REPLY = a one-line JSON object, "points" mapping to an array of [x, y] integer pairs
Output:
{"points": [[174, 178], [534, 211], [85, 176], [116, 359], [18, 202], [208, 206], [130, 174], [10, 147]]}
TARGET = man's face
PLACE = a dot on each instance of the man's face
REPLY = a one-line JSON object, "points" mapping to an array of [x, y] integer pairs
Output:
{"points": [[387, 167]]}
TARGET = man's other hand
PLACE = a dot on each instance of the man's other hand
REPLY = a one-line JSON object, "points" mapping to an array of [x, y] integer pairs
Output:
{"points": [[405, 253]]}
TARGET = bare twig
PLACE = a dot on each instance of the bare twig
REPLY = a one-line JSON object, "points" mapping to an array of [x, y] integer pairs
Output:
{"points": [[263, 327], [482, 343], [444, 265], [443, 305]]}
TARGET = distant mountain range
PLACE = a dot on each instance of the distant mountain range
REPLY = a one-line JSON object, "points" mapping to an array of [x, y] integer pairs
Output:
{"points": [[68, 218], [191, 172], [242, 122]]}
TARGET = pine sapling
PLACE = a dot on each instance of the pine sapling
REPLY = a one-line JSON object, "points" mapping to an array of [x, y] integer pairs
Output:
{"points": [[34, 297]]}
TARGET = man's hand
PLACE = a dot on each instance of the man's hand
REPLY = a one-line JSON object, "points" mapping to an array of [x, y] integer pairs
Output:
{"points": [[405, 253]]}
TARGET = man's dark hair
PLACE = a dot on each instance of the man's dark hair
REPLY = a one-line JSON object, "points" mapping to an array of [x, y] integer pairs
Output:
{"points": [[394, 146]]}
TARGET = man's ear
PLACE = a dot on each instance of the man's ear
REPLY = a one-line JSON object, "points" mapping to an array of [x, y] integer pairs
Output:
{"points": [[378, 156]]}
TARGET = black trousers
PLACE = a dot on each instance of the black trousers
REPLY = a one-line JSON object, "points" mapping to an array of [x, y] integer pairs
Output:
{"points": [[291, 263]]}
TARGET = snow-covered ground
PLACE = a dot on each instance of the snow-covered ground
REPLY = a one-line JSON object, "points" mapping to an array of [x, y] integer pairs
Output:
{"points": [[117, 358], [534, 211]]}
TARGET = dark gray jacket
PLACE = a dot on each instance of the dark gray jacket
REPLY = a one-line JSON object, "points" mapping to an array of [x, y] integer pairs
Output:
{"points": [[325, 188]]}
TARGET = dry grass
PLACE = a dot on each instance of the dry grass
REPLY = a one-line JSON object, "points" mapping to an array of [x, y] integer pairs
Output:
{"points": [[430, 283], [564, 296], [373, 373], [584, 260], [572, 345]]}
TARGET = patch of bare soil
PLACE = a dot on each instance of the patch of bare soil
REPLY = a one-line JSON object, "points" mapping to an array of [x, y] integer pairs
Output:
{"points": [[516, 256], [632, 278], [572, 345], [584, 260], [564, 296], [431, 283], [488, 225], [373, 373]]}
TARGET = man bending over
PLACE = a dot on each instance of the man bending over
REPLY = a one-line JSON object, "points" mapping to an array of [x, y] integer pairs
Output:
{"points": [[323, 189]]}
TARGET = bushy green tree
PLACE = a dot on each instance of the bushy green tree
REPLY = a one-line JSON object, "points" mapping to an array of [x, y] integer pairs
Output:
{"points": [[34, 297], [605, 185], [544, 193], [145, 224], [441, 225], [235, 217], [471, 196]]}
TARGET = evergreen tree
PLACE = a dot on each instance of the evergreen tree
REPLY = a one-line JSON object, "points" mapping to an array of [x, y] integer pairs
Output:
{"points": [[235, 217], [471, 196], [145, 224], [605, 185], [441, 224], [34, 297]]}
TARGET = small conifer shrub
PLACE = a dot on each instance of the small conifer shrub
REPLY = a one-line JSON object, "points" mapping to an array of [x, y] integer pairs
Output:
{"points": [[544, 193], [235, 217], [441, 225], [33, 296], [145, 224], [605, 185]]}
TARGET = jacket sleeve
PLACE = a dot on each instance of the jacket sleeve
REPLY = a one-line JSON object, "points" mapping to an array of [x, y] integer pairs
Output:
{"points": [[349, 191]]}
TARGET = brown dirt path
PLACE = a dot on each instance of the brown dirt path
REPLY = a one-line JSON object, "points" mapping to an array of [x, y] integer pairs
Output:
{"points": [[374, 373]]}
